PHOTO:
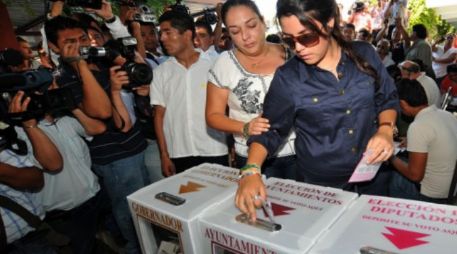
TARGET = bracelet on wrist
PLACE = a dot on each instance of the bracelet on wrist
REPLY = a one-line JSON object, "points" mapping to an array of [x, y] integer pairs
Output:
{"points": [[248, 173], [246, 130], [250, 166]]}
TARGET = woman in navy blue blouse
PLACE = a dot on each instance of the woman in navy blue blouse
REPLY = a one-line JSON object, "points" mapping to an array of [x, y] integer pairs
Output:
{"points": [[338, 97]]}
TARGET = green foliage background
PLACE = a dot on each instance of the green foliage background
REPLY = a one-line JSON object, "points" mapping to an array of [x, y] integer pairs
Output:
{"points": [[420, 14]]}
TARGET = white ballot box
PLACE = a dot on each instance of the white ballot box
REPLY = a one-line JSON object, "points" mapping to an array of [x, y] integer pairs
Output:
{"points": [[302, 212], [392, 225], [165, 213]]}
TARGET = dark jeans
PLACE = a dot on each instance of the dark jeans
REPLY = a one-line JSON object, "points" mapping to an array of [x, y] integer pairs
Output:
{"points": [[181, 164], [80, 224], [402, 187], [279, 167]]}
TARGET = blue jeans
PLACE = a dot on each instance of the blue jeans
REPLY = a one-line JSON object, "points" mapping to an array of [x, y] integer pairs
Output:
{"points": [[120, 179], [402, 187], [152, 161], [279, 167]]}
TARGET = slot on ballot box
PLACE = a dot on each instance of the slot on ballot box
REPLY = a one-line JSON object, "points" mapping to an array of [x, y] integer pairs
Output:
{"points": [[166, 213]]}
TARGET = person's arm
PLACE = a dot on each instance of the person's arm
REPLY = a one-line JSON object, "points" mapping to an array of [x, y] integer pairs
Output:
{"points": [[114, 24], [91, 125], [120, 115], [216, 103], [404, 33], [414, 170], [25, 178], [95, 102], [251, 186], [44, 150], [168, 168], [136, 32], [381, 144], [446, 60], [56, 8], [382, 33]]}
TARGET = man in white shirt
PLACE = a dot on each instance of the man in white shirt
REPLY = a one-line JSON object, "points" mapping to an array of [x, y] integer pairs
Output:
{"points": [[412, 70], [178, 92], [432, 148], [204, 39]]}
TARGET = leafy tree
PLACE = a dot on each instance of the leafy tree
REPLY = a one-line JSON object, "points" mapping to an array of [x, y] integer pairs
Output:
{"points": [[420, 14]]}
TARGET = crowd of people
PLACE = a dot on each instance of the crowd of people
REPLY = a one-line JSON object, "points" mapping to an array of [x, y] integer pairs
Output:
{"points": [[305, 104]]}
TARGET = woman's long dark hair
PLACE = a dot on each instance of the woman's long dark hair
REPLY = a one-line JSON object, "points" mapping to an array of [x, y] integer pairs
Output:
{"points": [[323, 11]]}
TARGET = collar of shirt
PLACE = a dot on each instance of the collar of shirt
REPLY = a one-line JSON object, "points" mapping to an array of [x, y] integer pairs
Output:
{"points": [[423, 112]]}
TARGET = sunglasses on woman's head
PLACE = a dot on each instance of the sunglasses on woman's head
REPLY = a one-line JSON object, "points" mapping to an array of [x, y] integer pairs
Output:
{"points": [[307, 40]]}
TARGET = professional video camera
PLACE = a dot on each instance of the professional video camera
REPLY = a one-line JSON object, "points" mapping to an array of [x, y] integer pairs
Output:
{"points": [[210, 17], [144, 15], [139, 73], [35, 84]]}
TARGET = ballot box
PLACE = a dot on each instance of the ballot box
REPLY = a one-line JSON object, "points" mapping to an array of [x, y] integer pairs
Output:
{"points": [[301, 213], [394, 226], [165, 213]]}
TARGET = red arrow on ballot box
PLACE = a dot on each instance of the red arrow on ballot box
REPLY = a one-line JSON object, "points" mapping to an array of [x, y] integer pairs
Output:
{"points": [[190, 187], [403, 239], [279, 210]]}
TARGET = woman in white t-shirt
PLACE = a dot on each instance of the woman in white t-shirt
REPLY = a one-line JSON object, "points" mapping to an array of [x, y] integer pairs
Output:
{"points": [[240, 78]]}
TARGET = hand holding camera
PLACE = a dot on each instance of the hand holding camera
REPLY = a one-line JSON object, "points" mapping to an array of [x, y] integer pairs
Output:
{"points": [[119, 78], [18, 105]]}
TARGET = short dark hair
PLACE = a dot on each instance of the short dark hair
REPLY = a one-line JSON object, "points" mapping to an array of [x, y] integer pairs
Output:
{"points": [[179, 20], [201, 22], [233, 3], [60, 23], [412, 92], [421, 31]]}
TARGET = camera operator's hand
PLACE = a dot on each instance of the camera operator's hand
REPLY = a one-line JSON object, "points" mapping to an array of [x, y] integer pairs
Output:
{"points": [[106, 12], [19, 104], [118, 78], [70, 54]]}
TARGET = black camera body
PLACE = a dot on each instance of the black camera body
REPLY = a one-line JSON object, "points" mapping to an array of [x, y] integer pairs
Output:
{"points": [[139, 73], [35, 84], [210, 17]]}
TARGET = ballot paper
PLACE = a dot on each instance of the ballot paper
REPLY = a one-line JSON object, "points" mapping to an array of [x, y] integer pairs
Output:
{"points": [[364, 172]]}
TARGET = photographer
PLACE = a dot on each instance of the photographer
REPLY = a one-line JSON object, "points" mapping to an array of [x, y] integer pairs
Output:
{"points": [[20, 179], [71, 198], [65, 36]]}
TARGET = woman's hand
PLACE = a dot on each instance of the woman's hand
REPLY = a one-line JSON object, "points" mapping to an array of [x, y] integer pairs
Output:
{"points": [[250, 193], [258, 125], [380, 147]]}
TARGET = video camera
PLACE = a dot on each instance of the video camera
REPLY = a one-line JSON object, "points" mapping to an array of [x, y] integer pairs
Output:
{"points": [[139, 74], [144, 15], [35, 84], [210, 17]]}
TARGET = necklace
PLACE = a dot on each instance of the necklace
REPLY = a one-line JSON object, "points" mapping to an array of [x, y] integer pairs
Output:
{"points": [[258, 62]]}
